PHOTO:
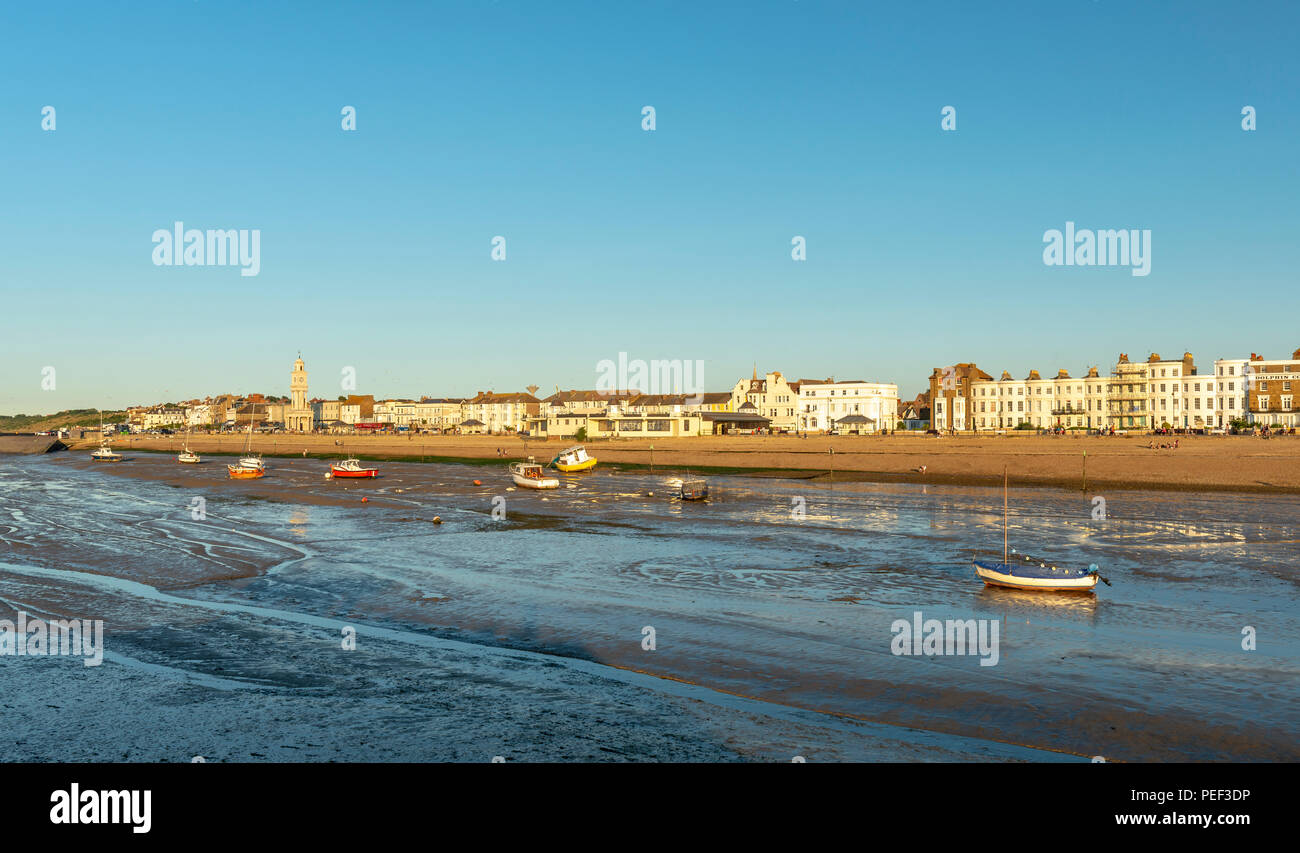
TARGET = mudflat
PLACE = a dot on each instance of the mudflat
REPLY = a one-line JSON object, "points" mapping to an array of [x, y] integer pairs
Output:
{"points": [[1198, 463]]}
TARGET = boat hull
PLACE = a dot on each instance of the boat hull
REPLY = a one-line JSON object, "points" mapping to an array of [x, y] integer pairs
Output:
{"points": [[94, 458], [584, 465], [367, 473], [997, 575], [529, 483], [238, 473], [187, 460]]}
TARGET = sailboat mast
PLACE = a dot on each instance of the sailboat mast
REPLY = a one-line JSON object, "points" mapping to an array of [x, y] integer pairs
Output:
{"points": [[1004, 515]]}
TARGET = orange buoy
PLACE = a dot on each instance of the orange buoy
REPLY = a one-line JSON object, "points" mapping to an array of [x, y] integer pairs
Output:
{"points": [[364, 500], [478, 482]]}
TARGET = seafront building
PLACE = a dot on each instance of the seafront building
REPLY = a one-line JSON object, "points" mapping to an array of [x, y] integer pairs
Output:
{"points": [[846, 406], [773, 397], [1156, 393], [499, 413], [1271, 389]]}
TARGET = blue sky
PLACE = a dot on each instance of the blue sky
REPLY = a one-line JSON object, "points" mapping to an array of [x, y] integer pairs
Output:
{"points": [[774, 119]]}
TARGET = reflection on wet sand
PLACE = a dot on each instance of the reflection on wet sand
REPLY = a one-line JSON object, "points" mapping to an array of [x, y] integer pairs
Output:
{"points": [[1019, 601]]}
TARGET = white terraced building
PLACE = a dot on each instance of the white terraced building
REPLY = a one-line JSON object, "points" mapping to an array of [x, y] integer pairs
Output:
{"points": [[822, 405], [1157, 393]]}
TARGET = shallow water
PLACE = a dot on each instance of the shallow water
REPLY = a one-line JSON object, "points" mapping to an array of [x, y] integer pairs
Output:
{"points": [[772, 628]]}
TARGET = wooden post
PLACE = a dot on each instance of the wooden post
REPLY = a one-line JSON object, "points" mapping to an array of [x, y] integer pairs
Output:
{"points": [[832, 467], [1085, 472]]}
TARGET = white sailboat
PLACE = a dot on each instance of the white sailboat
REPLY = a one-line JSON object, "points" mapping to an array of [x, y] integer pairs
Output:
{"points": [[187, 455], [1029, 573], [250, 464], [104, 453]]}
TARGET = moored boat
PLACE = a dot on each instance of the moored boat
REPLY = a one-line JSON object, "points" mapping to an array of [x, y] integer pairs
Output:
{"points": [[530, 475], [574, 459], [238, 472], [250, 461], [352, 468], [104, 453], [1033, 575], [1030, 573], [694, 489], [186, 455]]}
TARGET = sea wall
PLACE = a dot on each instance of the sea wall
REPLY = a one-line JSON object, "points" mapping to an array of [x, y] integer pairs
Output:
{"points": [[30, 444]]}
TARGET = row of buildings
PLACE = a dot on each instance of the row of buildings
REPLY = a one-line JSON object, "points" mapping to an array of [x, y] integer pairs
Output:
{"points": [[1134, 395], [754, 404]]}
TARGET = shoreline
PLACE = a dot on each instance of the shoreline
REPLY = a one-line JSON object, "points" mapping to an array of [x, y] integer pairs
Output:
{"points": [[1200, 464]]}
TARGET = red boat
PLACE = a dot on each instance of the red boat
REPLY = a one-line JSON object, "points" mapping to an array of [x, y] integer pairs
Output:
{"points": [[351, 468]]}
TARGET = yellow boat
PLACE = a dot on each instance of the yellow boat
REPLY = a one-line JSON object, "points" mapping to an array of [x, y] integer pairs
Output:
{"points": [[574, 459]]}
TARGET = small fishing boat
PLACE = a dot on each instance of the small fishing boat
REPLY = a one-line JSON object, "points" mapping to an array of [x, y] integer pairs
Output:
{"points": [[1029, 573], [238, 472], [530, 475], [352, 468], [694, 489], [104, 453], [574, 459]]}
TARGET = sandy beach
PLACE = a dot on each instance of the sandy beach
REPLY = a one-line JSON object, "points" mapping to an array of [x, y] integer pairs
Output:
{"points": [[1200, 463]]}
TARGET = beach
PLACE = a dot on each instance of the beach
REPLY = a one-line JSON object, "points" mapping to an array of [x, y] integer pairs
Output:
{"points": [[1200, 463], [522, 633]]}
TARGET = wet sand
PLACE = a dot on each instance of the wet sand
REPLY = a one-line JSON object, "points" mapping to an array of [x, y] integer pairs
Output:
{"points": [[1201, 463], [777, 630]]}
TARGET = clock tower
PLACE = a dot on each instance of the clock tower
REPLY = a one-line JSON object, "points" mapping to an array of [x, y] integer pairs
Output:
{"points": [[299, 417]]}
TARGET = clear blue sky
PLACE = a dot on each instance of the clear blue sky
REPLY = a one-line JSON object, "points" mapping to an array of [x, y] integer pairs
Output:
{"points": [[523, 119]]}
